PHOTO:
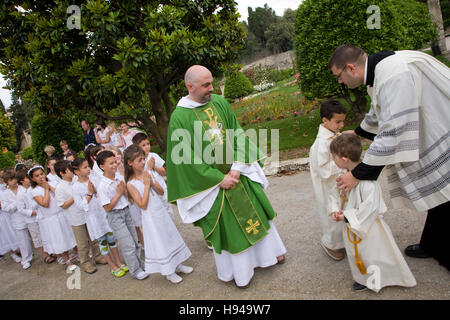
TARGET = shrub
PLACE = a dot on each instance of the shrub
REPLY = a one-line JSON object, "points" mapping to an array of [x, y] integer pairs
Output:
{"points": [[27, 153], [7, 128], [323, 25], [50, 130], [7, 159], [237, 85]]}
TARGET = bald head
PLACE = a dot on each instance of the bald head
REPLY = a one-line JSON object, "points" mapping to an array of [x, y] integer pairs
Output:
{"points": [[195, 72], [198, 80]]}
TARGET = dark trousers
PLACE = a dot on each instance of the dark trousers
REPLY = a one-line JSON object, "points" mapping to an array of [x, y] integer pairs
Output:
{"points": [[435, 236]]}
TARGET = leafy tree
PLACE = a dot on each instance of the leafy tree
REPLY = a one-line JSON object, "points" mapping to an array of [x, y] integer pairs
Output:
{"points": [[7, 159], [252, 45], [445, 9], [128, 54], [22, 114], [50, 130], [280, 35], [260, 20], [2, 107], [7, 139], [323, 25]]}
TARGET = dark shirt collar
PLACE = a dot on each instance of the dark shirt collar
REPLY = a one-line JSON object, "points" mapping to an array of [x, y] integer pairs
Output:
{"points": [[372, 61]]}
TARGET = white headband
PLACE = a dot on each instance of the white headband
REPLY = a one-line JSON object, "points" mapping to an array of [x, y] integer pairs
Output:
{"points": [[35, 167]]}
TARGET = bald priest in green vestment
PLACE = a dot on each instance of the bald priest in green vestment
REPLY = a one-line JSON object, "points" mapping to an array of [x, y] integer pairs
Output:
{"points": [[214, 175]]}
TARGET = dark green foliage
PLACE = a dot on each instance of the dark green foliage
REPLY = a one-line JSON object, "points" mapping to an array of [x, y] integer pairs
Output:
{"points": [[50, 130], [27, 153], [260, 20], [237, 85], [7, 160], [445, 9], [126, 55], [7, 139], [323, 25]]}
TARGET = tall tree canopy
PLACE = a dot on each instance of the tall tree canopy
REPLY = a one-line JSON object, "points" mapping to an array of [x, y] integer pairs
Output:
{"points": [[127, 54], [259, 21]]}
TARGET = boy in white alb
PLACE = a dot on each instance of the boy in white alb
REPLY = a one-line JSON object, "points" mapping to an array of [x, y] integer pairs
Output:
{"points": [[8, 237], [10, 205], [28, 209], [65, 199], [374, 257], [324, 173], [111, 192]]}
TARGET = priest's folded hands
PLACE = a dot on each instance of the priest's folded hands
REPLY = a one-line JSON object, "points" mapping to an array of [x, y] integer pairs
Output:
{"points": [[230, 180]]}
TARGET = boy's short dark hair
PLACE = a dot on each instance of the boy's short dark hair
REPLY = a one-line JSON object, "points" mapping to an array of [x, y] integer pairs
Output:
{"points": [[347, 145], [330, 107], [139, 137], [61, 166], [102, 156], [75, 164], [9, 175]]}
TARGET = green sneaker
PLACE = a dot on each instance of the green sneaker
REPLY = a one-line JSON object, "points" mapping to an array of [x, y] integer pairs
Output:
{"points": [[124, 268], [118, 273]]}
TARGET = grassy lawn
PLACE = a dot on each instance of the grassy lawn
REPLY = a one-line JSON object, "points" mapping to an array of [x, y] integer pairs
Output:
{"points": [[285, 109], [440, 57]]}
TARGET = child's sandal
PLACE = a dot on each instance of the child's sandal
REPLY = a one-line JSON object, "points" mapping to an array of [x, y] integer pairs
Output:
{"points": [[118, 273]]}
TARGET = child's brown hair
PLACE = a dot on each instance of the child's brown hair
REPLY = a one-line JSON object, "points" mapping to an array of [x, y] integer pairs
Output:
{"points": [[347, 145]]}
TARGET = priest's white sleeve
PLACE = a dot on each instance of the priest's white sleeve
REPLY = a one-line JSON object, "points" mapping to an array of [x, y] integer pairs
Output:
{"points": [[196, 207], [369, 205]]}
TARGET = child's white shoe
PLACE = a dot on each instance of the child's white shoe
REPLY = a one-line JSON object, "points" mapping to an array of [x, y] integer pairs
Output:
{"points": [[71, 268], [184, 269], [174, 278], [26, 265], [16, 258]]}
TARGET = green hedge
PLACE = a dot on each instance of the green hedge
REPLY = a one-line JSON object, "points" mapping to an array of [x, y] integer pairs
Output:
{"points": [[323, 25], [27, 153], [7, 159], [50, 130], [237, 85]]}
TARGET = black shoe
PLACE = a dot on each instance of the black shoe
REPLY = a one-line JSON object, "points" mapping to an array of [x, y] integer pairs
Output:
{"points": [[416, 251], [358, 287]]}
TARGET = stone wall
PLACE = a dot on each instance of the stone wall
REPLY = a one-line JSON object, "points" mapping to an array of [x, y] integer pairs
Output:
{"points": [[284, 60]]}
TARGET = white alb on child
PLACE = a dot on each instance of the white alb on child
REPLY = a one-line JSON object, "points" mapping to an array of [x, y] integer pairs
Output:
{"points": [[165, 249]]}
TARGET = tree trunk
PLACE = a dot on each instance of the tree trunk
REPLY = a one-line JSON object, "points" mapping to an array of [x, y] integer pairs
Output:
{"points": [[162, 120], [434, 7]]}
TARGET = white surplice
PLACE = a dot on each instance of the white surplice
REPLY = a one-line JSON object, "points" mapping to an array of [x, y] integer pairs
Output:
{"points": [[324, 173], [378, 250], [409, 113]]}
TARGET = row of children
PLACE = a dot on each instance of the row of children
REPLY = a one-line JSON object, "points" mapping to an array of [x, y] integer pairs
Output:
{"points": [[98, 203], [353, 223]]}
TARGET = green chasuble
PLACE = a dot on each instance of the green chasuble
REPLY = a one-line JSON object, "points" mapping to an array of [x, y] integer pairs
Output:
{"points": [[202, 145]]}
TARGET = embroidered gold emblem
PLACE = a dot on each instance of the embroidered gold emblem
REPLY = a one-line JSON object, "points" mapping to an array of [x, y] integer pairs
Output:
{"points": [[252, 226], [216, 128]]}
